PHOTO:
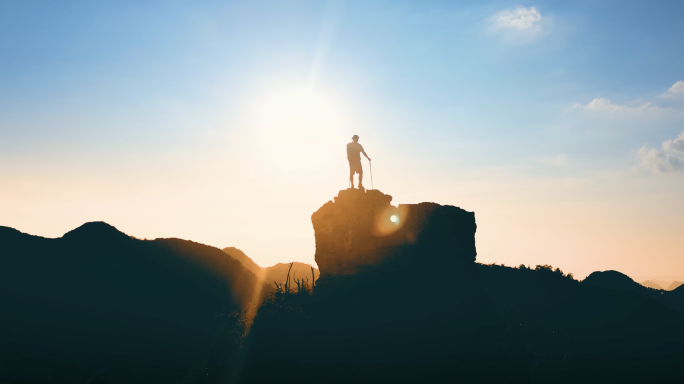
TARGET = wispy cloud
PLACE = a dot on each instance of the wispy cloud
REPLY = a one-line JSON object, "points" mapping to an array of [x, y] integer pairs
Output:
{"points": [[602, 104], [676, 90]]}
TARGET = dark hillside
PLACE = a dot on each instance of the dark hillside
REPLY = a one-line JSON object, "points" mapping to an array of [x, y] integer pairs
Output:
{"points": [[613, 280], [104, 299], [488, 324], [411, 305], [275, 273], [616, 281], [246, 261], [400, 299], [605, 326]]}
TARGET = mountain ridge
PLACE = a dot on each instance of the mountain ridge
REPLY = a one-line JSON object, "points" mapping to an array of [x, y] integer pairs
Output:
{"points": [[97, 294], [382, 313]]}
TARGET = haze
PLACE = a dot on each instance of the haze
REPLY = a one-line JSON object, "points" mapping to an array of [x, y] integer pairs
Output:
{"points": [[559, 125]]}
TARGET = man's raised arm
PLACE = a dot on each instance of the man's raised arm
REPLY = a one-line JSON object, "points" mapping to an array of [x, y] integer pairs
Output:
{"points": [[364, 153]]}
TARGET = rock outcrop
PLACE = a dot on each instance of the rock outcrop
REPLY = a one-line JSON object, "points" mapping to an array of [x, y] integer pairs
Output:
{"points": [[361, 229]]}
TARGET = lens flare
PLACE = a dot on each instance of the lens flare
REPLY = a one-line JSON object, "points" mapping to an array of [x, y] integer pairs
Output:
{"points": [[390, 220]]}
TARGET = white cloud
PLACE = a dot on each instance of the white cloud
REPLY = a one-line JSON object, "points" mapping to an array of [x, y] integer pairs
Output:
{"points": [[677, 89], [657, 161], [519, 23], [676, 145], [521, 18], [602, 104]]}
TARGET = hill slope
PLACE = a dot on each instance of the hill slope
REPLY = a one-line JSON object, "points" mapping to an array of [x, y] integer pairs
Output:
{"points": [[101, 297], [412, 305], [276, 273]]}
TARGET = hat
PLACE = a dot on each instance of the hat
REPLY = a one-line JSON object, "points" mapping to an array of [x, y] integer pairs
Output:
{"points": [[355, 137]]}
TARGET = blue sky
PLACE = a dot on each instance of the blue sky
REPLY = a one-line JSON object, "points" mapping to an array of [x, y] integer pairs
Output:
{"points": [[174, 119]]}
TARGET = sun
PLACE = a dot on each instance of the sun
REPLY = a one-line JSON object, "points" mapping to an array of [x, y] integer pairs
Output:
{"points": [[297, 125], [301, 110]]}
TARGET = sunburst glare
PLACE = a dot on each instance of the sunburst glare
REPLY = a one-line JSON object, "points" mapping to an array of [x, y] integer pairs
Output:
{"points": [[296, 126]]}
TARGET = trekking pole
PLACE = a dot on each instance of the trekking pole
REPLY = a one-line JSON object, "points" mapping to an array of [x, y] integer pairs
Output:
{"points": [[370, 166]]}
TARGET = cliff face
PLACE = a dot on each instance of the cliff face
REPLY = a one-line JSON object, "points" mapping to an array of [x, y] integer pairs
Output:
{"points": [[362, 229]]}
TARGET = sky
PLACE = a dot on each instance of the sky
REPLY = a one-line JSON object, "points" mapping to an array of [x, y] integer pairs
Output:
{"points": [[560, 124]]}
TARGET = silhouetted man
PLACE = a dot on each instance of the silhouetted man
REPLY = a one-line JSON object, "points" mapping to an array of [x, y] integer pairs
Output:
{"points": [[354, 151]]}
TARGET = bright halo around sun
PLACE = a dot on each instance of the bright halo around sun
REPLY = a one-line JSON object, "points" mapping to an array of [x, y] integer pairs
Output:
{"points": [[299, 127]]}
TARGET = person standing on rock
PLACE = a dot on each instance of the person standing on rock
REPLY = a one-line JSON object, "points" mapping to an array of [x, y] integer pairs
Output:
{"points": [[354, 151]]}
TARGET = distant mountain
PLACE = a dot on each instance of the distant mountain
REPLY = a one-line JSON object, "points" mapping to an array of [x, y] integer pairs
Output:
{"points": [[103, 298], [650, 284], [276, 273], [674, 285]]}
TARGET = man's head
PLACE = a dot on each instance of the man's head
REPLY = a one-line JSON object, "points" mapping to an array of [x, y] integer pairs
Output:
{"points": [[355, 138]]}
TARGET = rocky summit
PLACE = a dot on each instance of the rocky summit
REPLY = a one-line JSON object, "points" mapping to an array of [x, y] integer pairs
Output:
{"points": [[361, 229]]}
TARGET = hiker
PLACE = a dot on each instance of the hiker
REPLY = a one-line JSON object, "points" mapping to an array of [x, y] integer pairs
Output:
{"points": [[354, 149]]}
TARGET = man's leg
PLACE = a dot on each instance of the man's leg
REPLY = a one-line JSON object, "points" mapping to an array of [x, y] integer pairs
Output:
{"points": [[360, 177], [351, 176]]}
